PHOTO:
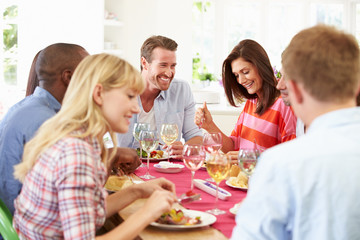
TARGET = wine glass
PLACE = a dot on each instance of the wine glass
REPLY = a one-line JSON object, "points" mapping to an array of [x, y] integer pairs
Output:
{"points": [[247, 159], [193, 157], [169, 133], [138, 127], [218, 167], [149, 141], [212, 142]]}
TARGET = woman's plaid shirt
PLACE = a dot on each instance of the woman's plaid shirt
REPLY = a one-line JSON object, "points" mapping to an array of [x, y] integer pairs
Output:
{"points": [[63, 196]]}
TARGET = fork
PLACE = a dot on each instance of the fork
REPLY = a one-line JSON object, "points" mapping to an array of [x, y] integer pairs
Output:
{"points": [[184, 198]]}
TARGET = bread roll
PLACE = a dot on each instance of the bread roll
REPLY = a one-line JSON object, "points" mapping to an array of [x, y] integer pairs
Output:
{"points": [[234, 171]]}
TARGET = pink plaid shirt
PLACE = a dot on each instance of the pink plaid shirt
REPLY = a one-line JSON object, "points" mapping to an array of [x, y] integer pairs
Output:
{"points": [[63, 195]]}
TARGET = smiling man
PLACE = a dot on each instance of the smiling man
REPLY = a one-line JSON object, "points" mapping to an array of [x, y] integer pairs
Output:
{"points": [[165, 99]]}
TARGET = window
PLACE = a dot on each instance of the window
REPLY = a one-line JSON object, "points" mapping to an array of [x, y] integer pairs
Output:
{"points": [[9, 52], [272, 23]]}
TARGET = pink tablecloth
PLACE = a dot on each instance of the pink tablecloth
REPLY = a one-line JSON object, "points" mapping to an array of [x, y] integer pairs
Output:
{"points": [[226, 222]]}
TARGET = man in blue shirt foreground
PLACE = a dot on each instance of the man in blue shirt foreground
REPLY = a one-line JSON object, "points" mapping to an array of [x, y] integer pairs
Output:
{"points": [[308, 188], [54, 68], [165, 99]]}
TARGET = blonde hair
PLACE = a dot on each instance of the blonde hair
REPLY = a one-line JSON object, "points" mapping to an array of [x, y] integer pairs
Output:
{"points": [[79, 111], [326, 61]]}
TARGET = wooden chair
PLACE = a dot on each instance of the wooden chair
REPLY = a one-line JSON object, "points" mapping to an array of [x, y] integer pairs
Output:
{"points": [[7, 230]]}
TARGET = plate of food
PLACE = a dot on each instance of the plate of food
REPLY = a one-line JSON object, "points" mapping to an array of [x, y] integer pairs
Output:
{"points": [[178, 219], [156, 155], [168, 167], [238, 182]]}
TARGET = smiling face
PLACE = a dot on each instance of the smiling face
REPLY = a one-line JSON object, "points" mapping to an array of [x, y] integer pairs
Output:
{"points": [[283, 89], [247, 75], [161, 70], [118, 106]]}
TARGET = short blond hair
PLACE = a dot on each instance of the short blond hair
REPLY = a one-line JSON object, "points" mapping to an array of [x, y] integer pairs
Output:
{"points": [[79, 111], [326, 61]]}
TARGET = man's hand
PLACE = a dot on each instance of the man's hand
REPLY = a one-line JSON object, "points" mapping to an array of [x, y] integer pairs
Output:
{"points": [[125, 161]]}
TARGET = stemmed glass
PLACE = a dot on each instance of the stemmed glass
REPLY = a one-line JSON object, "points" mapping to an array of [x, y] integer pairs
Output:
{"points": [[138, 127], [193, 157], [169, 133], [247, 159], [218, 167], [212, 143], [149, 141]]}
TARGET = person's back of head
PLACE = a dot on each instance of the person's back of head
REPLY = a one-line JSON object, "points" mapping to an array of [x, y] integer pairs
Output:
{"points": [[101, 69], [55, 66], [326, 61], [153, 42]]}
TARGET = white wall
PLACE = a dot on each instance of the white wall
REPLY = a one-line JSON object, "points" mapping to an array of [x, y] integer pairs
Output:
{"points": [[44, 22], [170, 18]]}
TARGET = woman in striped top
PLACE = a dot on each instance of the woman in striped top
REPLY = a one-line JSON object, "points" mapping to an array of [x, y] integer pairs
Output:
{"points": [[265, 119]]}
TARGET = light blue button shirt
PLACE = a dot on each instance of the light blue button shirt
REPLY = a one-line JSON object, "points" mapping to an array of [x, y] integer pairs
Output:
{"points": [[175, 105], [18, 127], [307, 188]]}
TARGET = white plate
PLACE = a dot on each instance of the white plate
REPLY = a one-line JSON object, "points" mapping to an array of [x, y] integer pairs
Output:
{"points": [[166, 167], [230, 185], [206, 220], [165, 157], [235, 208]]}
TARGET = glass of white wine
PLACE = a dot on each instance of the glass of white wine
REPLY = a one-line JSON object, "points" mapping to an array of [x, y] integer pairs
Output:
{"points": [[149, 141], [169, 133], [212, 143], [247, 159], [138, 127], [218, 167]]}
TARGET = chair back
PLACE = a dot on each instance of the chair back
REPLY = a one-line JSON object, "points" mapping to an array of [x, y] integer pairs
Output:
{"points": [[7, 230]]}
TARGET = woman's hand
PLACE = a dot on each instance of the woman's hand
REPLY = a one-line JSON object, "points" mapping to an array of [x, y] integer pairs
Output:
{"points": [[233, 156], [203, 117], [147, 188], [158, 203]]}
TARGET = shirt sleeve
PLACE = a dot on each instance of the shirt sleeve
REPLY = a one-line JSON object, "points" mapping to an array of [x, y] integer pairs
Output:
{"points": [[76, 183], [190, 129], [265, 211], [287, 126]]}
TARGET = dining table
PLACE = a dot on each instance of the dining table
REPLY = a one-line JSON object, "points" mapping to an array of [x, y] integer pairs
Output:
{"points": [[220, 229]]}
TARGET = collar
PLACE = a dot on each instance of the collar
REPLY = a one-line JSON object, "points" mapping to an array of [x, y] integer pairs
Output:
{"points": [[51, 101]]}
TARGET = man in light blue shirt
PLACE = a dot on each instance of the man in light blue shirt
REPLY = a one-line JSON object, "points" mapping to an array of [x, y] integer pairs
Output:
{"points": [[308, 188], [54, 68], [165, 99]]}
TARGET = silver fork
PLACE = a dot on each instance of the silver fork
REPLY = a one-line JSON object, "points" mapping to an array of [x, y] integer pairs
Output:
{"points": [[187, 199]]}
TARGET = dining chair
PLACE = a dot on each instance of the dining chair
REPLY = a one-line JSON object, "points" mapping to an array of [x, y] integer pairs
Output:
{"points": [[7, 230]]}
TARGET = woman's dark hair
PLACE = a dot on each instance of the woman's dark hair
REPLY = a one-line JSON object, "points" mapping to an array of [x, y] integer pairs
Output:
{"points": [[254, 53], [33, 81]]}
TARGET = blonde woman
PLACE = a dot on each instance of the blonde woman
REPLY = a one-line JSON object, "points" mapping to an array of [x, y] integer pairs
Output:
{"points": [[63, 169]]}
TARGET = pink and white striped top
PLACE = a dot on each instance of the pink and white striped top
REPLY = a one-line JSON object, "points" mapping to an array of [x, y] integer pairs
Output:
{"points": [[276, 125]]}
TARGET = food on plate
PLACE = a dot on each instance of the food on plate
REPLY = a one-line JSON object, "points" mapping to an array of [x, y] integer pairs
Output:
{"points": [[116, 183], [177, 217], [154, 154], [241, 180]]}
